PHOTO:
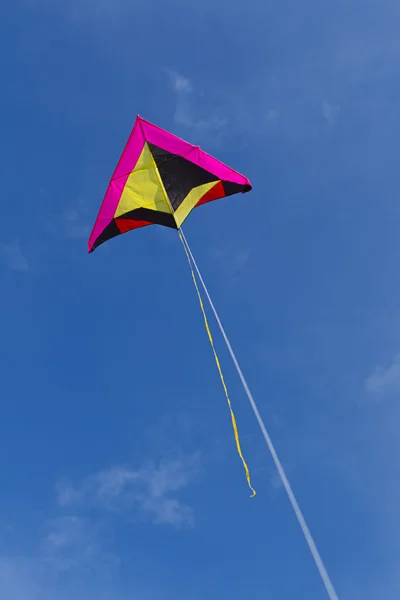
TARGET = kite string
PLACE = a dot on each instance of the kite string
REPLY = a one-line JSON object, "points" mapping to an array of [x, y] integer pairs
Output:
{"points": [[234, 425], [296, 508]]}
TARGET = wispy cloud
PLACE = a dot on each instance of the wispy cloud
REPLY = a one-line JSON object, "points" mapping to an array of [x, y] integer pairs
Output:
{"points": [[385, 379], [17, 582], [151, 490], [187, 110], [330, 112], [71, 558], [72, 542], [68, 560], [233, 259], [12, 256], [272, 115], [72, 225], [224, 112], [32, 579]]}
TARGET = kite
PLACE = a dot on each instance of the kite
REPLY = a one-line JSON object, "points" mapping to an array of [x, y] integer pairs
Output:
{"points": [[159, 180]]}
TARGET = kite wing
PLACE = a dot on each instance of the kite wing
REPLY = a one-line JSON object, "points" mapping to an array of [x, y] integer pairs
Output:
{"points": [[159, 179]]}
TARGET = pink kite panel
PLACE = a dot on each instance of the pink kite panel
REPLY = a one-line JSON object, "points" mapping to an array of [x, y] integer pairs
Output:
{"points": [[125, 166]]}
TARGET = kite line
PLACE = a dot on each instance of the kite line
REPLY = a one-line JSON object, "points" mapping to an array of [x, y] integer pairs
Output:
{"points": [[234, 425], [330, 590]]}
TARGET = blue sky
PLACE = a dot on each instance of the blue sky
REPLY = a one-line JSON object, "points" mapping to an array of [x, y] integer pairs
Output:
{"points": [[120, 478]]}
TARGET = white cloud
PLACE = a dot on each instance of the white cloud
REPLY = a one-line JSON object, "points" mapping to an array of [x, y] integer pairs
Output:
{"points": [[71, 558], [233, 259], [16, 582], [68, 561], [74, 222], [151, 490], [13, 257], [384, 380], [179, 83], [34, 579], [272, 115], [186, 111], [73, 226], [330, 112], [74, 543]]}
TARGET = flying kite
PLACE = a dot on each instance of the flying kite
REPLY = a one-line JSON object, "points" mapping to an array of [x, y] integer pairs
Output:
{"points": [[160, 179]]}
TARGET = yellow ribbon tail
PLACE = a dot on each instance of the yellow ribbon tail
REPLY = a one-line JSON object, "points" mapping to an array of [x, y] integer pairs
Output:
{"points": [[234, 425]]}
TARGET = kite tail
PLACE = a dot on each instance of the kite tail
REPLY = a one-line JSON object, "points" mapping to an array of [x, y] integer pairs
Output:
{"points": [[234, 425]]}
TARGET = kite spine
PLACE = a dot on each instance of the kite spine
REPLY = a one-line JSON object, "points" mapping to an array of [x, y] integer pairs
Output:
{"points": [[234, 425], [330, 590]]}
